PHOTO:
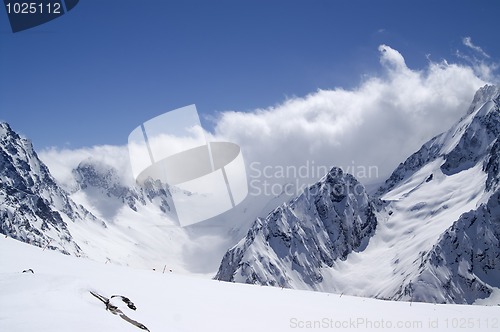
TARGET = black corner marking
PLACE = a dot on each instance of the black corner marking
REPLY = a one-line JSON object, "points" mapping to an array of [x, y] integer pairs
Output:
{"points": [[26, 14]]}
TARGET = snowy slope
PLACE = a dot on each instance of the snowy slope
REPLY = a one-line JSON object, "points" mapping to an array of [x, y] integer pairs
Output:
{"points": [[423, 201], [142, 227], [56, 298], [99, 215], [142, 230], [409, 227], [466, 260]]}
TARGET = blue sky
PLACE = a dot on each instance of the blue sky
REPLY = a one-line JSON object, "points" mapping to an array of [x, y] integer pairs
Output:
{"points": [[91, 76]]}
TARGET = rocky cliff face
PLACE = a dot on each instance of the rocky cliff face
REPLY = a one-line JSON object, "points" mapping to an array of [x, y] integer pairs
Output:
{"points": [[33, 208]]}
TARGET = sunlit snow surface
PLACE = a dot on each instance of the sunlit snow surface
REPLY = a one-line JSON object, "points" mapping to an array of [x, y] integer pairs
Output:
{"points": [[420, 212], [56, 298]]}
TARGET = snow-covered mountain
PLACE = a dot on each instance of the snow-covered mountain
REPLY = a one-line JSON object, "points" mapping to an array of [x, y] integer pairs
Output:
{"points": [[293, 243], [430, 233], [437, 226], [462, 147], [98, 215], [103, 187], [464, 264], [33, 208], [143, 230]]}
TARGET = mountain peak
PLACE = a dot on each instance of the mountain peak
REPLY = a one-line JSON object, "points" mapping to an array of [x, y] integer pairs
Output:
{"points": [[483, 95], [466, 143], [95, 173], [329, 220], [6, 130]]}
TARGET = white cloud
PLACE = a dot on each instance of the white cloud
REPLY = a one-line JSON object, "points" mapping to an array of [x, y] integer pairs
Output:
{"points": [[392, 59], [467, 41], [379, 123], [61, 162], [483, 68]]}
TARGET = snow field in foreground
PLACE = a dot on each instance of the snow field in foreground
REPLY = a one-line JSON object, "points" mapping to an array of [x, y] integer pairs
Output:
{"points": [[56, 298]]}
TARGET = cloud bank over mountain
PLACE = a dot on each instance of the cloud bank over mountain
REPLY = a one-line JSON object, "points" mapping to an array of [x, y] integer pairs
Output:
{"points": [[395, 111]]}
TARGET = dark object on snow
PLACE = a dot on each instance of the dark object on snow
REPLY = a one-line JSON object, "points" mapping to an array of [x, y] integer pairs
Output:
{"points": [[29, 270], [115, 311], [127, 301]]}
